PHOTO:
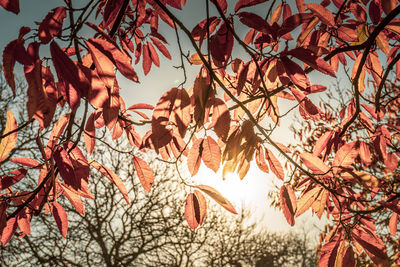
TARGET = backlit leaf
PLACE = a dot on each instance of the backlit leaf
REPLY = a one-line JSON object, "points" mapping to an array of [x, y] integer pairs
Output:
{"points": [[61, 218], [7, 143], [195, 209], [144, 172], [217, 197]]}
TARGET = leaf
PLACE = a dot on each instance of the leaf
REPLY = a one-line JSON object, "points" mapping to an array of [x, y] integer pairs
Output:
{"points": [[7, 181], [254, 21], [211, 155], [217, 197], [61, 218], [220, 119], [23, 222], [295, 73], [7, 143], [104, 66], [9, 230], [195, 209], [56, 132], [113, 178], [147, 61], [247, 3], [27, 162], [65, 167], [144, 172], [374, 247], [274, 164], [221, 44], [322, 143], [194, 156], [74, 198], [52, 24], [89, 134], [329, 253], [260, 160], [312, 60], [307, 200], [288, 203], [153, 54], [69, 74], [120, 59], [10, 5], [393, 223], [161, 47], [346, 155], [322, 13], [314, 163]]}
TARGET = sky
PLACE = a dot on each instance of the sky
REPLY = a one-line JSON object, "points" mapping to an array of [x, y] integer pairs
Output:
{"points": [[253, 190]]}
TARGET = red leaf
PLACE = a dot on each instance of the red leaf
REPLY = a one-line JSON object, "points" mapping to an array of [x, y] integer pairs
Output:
{"points": [[147, 61], [307, 200], [7, 143], [89, 134], [7, 181], [199, 32], [393, 223], [23, 222], [119, 58], [247, 3], [346, 155], [274, 164], [74, 198], [194, 156], [104, 66], [211, 154], [195, 209], [221, 44], [217, 197], [61, 218], [10, 5], [66, 168], [312, 60], [9, 230], [144, 172], [52, 24], [27, 162], [161, 47], [69, 74], [288, 203], [322, 142], [374, 247], [322, 13], [295, 73], [260, 160], [314, 163], [141, 106], [254, 21], [221, 118], [153, 54], [56, 132], [113, 178], [329, 253]]}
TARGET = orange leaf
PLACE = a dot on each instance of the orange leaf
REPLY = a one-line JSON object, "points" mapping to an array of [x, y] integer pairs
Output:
{"points": [[52, 24], [211, 154], [346, 155], [27, 162], [322, 13], [194, 157], [314, 163], [113, 178], [61, 218], [260, 160], [217, 197], [104, 66], [56, 132], [74, 198], [307, 200], [221, 118], [195, 209], [7, 143], [274, 164], [288, 203], [89, 134], [144, 172], [9, 230], [393, 223]]}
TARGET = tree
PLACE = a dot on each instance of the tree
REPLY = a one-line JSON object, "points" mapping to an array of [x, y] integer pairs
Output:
{"points": [[228, 116], [151, 231]]}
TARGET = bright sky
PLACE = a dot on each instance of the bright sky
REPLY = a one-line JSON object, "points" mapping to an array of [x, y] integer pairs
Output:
{"points": [[253, 190]]}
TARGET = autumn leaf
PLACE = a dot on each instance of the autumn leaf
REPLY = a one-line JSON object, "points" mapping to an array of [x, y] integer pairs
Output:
{"points": [[144, 172], [247, 3], [211, 154], [314, 163], [217, 197], [10, 5], [274, 164], [322, 13], [7, 143], [7, 181], [194, 156], [288, 203], [195, 209], [345, 156], [52, 24], [61, 218], [307, 200], [113, 178]]}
